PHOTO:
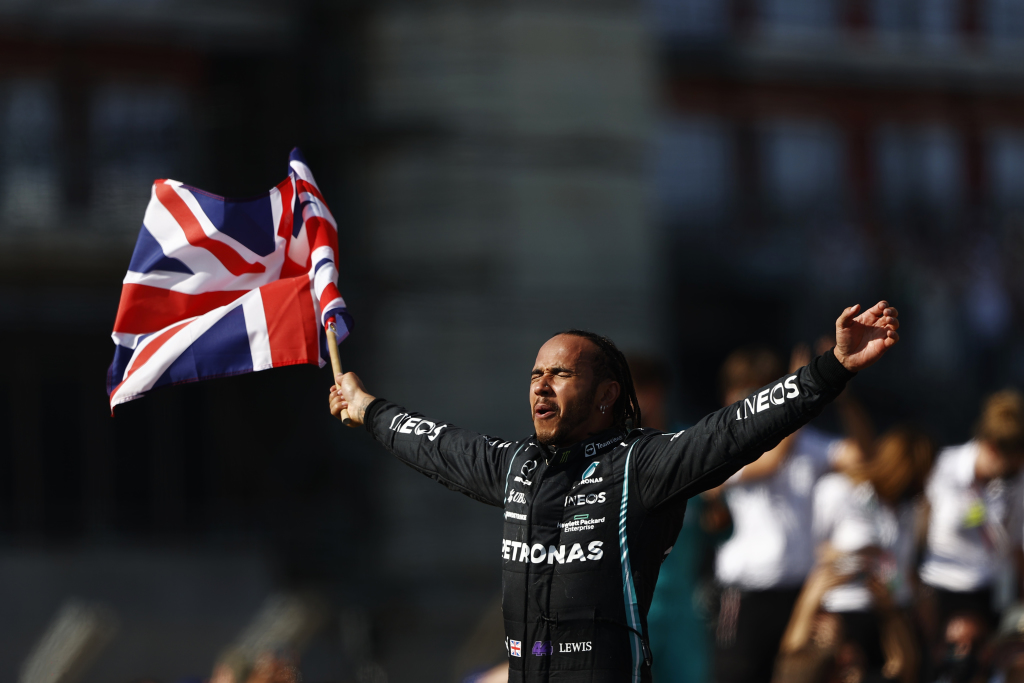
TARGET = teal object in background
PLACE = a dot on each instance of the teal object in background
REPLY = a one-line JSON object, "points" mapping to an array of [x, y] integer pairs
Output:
{"points": [[678, 634]]}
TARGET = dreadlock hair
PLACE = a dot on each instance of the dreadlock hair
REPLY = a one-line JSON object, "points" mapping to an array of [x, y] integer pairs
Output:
{"points": [[611, 364]]}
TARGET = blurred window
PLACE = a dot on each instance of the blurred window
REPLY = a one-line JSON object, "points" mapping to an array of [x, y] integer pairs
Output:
{"points": [[939, 22], [935, 23], [802, 166], [29, 189], [694, 170], [893, 18], [1004, 22], [689, 18], [138, 135], [919, 168], [798, 16], [1006, 168]]}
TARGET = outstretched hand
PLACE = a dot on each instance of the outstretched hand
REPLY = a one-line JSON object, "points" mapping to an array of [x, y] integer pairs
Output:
{"points": [[349, 394], [862, 340]]}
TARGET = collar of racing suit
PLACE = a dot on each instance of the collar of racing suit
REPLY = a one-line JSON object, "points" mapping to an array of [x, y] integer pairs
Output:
{"points": [[599, 443]]}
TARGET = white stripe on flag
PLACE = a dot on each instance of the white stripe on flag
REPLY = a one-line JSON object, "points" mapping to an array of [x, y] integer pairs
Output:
{"points": [[321, 253], [125, 339], [163, 279], [332, 305], [324, 276], [171, 238], [259, 338], [207, 225], [303, 172], [319, 316], [298, 250], [210, 273], [276, 262], [143, 379], [312, 206]]}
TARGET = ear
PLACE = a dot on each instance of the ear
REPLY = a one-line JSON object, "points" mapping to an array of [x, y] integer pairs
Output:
{"points": [[608, 392]]}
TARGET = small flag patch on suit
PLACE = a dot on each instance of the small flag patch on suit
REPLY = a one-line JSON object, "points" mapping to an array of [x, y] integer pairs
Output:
{"points": [[220, 286], [516, 648]]}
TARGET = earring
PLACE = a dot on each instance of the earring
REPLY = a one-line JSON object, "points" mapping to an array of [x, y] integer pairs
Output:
{"points": [[602, 409]]}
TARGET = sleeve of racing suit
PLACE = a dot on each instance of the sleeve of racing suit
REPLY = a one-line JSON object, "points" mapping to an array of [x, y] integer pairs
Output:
{"points": [[458, 458], [674, 467]]}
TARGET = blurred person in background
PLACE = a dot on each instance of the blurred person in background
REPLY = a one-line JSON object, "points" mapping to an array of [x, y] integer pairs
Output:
{"points": [[864, 525], [974, 534], [269, 667], [764, 563], [1008, 647], [593, 502], [678, 632]]}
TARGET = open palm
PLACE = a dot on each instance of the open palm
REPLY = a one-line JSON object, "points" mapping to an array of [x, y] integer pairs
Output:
{"points": [[862, 339]]}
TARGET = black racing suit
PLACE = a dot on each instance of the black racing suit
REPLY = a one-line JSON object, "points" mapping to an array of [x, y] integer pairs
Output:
{"points": [[588, 526]]}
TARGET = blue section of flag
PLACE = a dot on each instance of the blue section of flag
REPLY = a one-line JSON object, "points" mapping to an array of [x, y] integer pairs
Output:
{"points": [[297, 218], [250, 221], [296, 155], [122, 355], [221, 350], [148, 256]]}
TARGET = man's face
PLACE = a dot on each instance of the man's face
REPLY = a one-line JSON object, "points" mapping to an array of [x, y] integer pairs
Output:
{"points": [[562, 390]]}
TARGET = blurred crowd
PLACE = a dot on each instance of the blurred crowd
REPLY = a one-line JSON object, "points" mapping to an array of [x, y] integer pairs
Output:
{"points": [[848, 555]]}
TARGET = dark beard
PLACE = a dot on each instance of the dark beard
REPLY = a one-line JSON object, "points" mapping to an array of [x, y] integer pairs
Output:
{"points": [[574, 415]]}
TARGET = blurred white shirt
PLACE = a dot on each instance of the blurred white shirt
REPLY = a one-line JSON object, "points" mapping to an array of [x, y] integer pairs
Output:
{"points": [[850, 517], [973, 528], [771, 544]]}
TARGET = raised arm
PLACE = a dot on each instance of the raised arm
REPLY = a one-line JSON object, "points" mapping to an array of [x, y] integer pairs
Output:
{"points": [[462, 460], [674, 467]]}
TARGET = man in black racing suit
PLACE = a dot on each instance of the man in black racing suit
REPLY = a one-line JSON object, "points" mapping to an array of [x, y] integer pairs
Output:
{"points": [[593, 503]]}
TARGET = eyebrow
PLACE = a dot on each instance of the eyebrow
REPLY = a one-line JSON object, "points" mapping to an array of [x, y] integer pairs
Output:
{"points": [[556, 369]]}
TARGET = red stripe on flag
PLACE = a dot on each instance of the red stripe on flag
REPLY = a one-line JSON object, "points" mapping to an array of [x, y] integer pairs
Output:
{"points": [[152, 347], [329, 294], [322, 233], [197, 237], [306, 186], [284, 230], [144, 308], [291, 321]]}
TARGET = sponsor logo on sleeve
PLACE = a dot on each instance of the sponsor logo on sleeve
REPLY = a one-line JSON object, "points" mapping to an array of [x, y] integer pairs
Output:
{"points": [[515, 648], [514, 515], [516, 497], [766, 398], [403, 423], [585, 646], [542, 648], [538, 553]]}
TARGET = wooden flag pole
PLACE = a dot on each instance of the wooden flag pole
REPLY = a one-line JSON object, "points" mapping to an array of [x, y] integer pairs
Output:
{"points": [[332, 347]]}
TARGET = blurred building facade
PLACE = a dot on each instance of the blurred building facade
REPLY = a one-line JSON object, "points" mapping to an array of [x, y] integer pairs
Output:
{"points": [[816, 154], [682, 175]]}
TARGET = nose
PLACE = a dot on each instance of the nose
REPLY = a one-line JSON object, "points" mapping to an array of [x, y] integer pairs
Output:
{"points": [[542, 388]]}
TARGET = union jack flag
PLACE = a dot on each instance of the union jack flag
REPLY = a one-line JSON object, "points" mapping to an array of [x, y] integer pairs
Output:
{"points": [[222, 286]]}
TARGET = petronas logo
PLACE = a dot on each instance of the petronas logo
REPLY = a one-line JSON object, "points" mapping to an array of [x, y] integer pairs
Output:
{"points": [[590, 470]]}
